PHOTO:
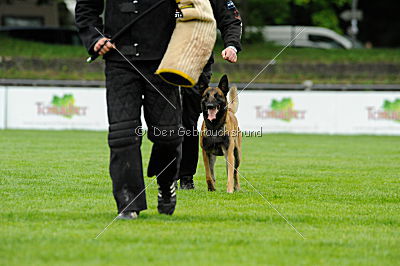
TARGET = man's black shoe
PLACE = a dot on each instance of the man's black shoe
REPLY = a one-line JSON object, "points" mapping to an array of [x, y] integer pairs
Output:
{"points": [[187, 182], [166, 198], [128, 215]]}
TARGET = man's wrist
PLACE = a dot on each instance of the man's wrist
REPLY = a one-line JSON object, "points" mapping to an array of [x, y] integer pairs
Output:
{"points": [[233, 48]]}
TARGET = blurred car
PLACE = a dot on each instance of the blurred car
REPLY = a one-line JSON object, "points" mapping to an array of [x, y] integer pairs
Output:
{"points": [[314, 37], [54, 35]]}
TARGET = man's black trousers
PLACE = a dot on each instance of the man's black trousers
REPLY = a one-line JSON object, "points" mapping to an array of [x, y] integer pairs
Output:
{"points": [[127, 92], [191, 105]]}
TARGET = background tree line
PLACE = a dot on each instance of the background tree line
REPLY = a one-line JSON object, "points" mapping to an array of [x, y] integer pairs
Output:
{"points": [[380, 24]]}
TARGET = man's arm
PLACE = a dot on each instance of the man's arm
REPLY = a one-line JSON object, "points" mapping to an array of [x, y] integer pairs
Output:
{"points": [[229, 23], [87, 17]]}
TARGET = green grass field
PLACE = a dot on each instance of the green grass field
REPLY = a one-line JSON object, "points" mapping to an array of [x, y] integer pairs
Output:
{"points": [[258, 52], [341, 192], [56, 62]]}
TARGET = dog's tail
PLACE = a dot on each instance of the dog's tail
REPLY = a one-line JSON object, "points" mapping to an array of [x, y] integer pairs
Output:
{"points": [[233, 99]]}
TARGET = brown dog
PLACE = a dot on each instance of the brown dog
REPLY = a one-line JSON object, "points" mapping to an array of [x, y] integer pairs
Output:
{"points": [[220, 133]]}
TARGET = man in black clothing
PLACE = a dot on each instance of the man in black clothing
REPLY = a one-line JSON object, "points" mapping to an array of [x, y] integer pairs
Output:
{"points": [[230, 24], [144, 44], [128, 89]]}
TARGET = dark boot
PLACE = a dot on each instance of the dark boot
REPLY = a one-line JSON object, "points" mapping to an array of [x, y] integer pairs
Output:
{"points": [[187, 182], [166, 197]]}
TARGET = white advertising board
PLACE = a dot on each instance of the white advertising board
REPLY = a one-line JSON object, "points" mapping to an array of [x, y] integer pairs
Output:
{"points": [[259, 111], [56, 108], [368, 113], [320, 112], [293, 112], [2, 107]]}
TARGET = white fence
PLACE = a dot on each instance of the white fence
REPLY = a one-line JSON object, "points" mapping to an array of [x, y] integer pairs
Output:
{"points": [[266, 111]]}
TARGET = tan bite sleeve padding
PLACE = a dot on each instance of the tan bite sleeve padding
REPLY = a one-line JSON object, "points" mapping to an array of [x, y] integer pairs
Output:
{"points": [[191, 44]]}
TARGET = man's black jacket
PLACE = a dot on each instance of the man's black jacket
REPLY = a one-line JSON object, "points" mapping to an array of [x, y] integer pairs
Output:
{"points": [[148, 38]]}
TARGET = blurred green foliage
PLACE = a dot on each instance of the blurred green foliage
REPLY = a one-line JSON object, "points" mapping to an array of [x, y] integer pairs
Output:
{"points": [[323, 13]]}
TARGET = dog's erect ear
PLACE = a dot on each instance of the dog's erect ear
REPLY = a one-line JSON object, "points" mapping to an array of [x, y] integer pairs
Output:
{"points": [[224, 84]]}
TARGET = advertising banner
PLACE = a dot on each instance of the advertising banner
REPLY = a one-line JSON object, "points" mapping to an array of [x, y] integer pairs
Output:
{"points": [[368, 113], [320, 112], [2, 107], [259, 111], [56, 108], [290, 112]]}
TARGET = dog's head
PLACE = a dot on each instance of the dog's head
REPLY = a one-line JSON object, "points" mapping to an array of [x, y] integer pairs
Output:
{"points": [[214, 101]]}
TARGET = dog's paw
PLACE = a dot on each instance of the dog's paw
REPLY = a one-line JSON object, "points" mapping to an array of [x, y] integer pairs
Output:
{"points": [[211, 186], [229, 190]]}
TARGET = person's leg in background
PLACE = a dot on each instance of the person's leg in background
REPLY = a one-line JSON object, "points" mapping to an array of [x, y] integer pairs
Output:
{"points": [[124, 100], [191, 104], [164, 121]]}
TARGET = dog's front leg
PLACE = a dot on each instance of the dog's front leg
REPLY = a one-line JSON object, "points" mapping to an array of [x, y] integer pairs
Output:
{"points": [[230, 165], [209, 177]]}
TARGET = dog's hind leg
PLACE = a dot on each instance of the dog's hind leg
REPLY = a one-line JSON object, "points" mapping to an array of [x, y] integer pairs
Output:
{"points": [[209, 175], [235, 173]]}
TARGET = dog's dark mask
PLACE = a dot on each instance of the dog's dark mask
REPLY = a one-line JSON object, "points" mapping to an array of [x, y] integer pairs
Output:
{"points": [[214, 102]]}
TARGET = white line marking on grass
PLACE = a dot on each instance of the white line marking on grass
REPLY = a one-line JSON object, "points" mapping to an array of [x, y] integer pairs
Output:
{"points": [[270, 204], [152, 181], [127, 60], [269, 63]]}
